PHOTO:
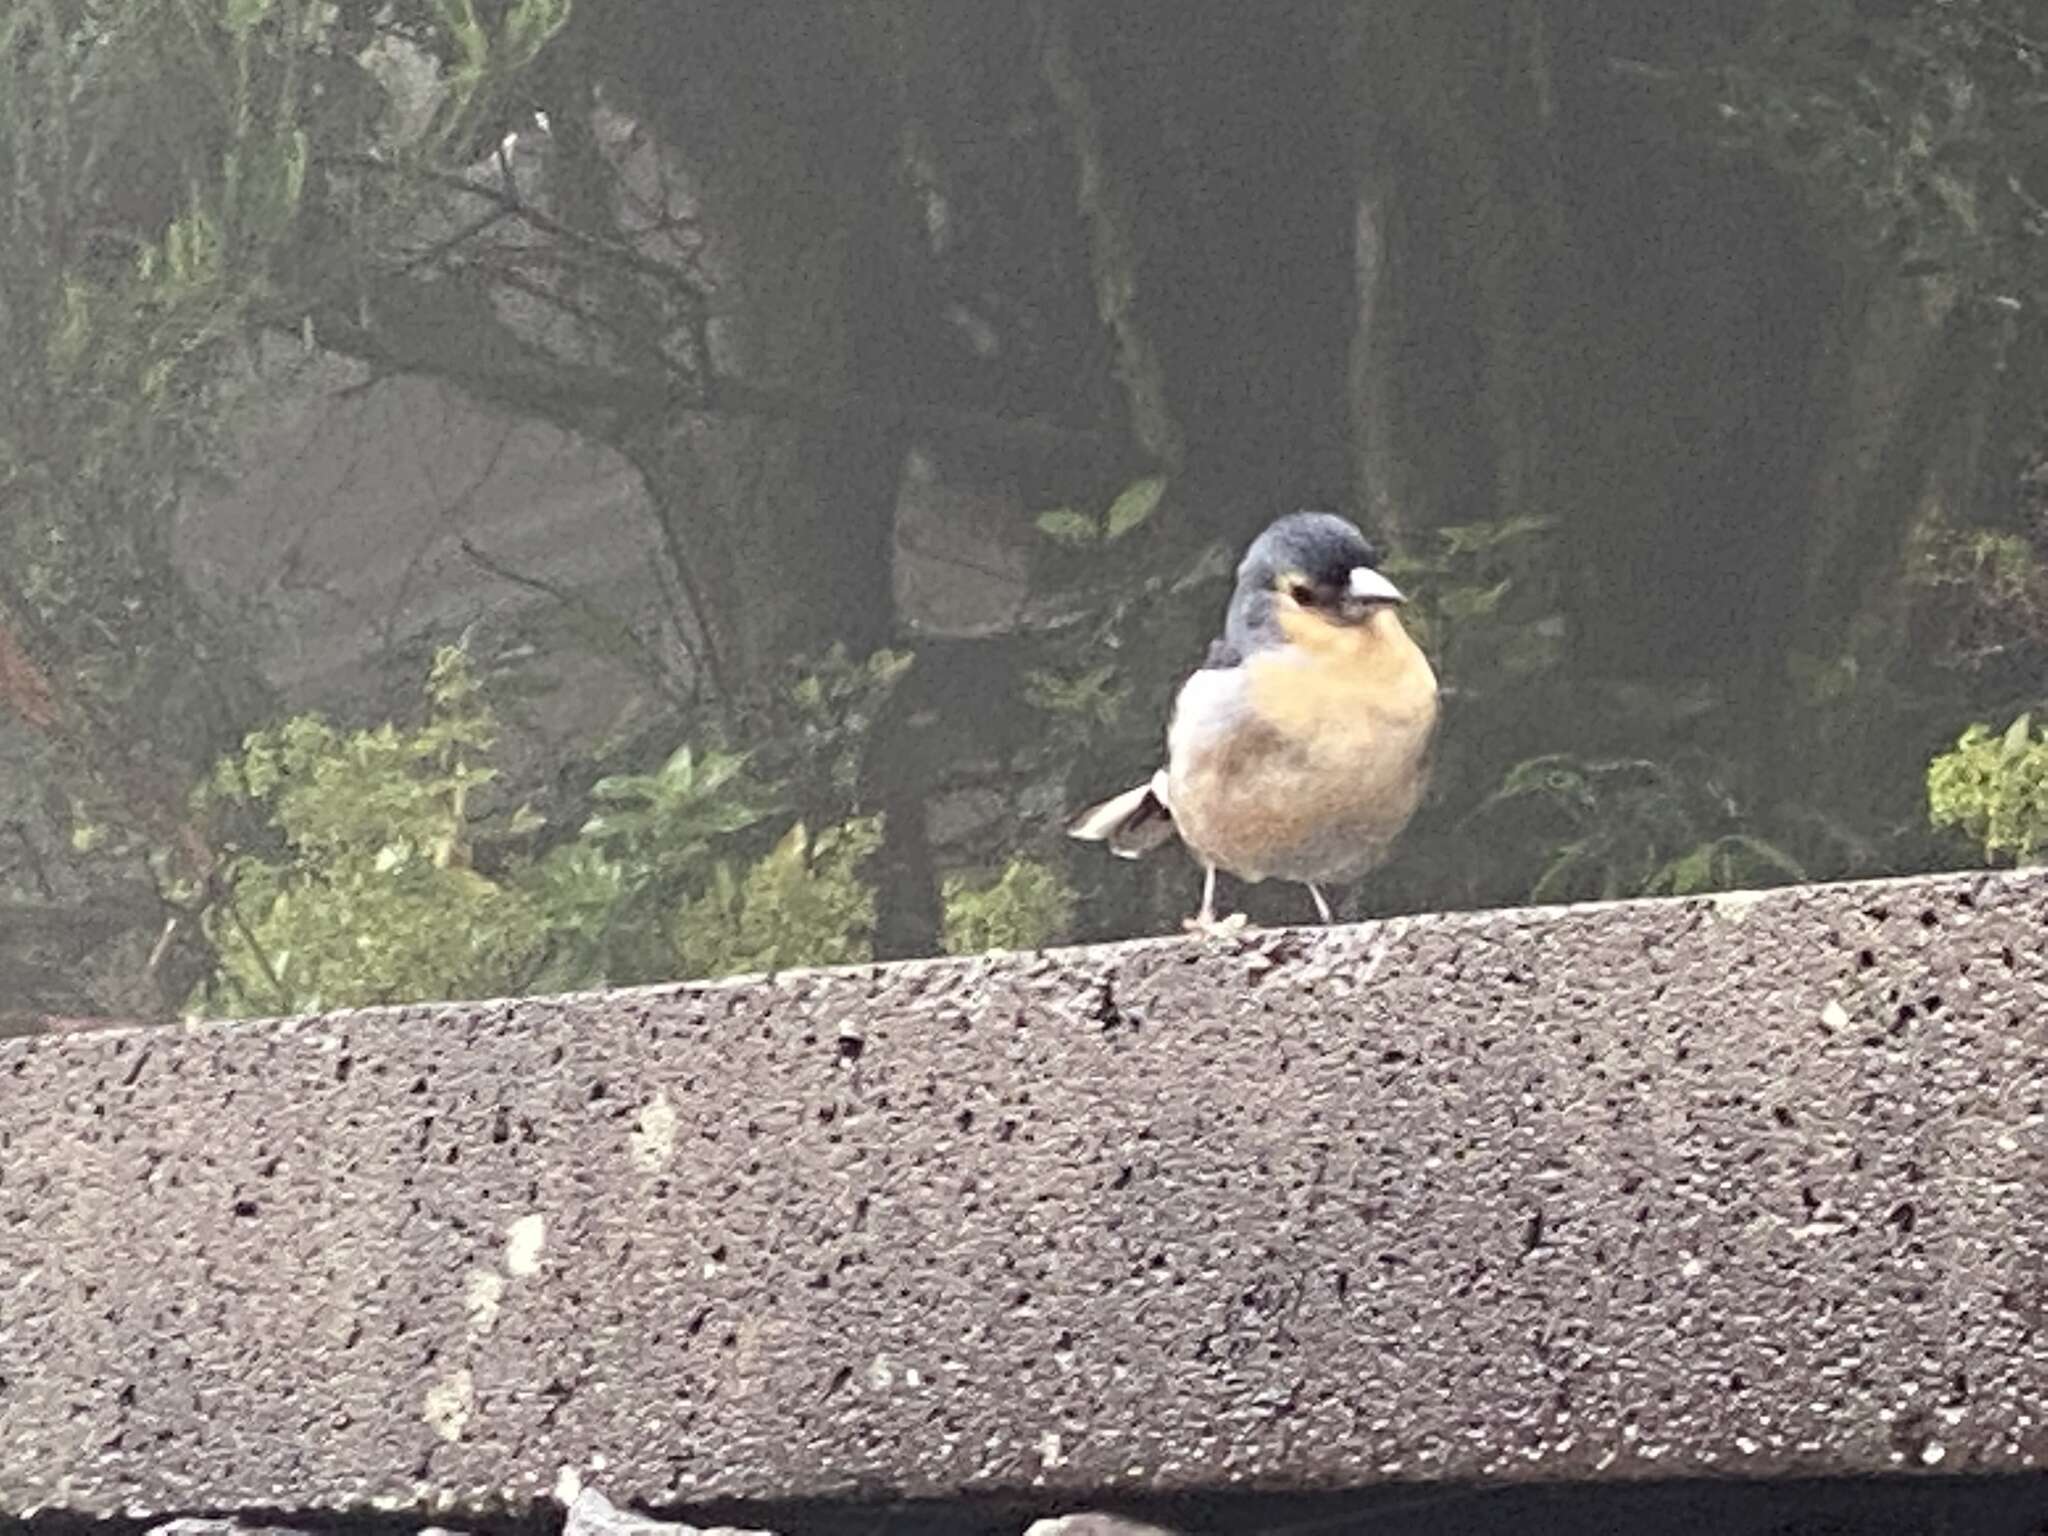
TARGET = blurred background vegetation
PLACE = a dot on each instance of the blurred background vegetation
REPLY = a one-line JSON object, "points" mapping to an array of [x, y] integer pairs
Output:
{"points": [[516, 494]]}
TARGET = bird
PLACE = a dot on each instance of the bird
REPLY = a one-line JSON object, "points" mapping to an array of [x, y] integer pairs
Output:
{"points": [[1300, 749]]}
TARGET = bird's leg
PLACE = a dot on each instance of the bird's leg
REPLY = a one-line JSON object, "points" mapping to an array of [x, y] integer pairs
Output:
{"points": [[1206, 920], [1322, 906]]}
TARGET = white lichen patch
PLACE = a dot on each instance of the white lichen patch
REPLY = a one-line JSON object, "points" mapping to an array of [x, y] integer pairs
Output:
{"points": [[568, 1485], [1735, 906], [524, 1241], [653, 1138], [482, 1299], [450, 1405], [1835, 1016]]}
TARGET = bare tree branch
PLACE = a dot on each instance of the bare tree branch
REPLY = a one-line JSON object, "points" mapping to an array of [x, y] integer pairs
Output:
{"points": [[649, 665]]}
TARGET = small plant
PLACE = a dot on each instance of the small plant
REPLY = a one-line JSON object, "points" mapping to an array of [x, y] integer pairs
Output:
{"points": [[1981, 597], [1026, 907], [1602, 829], [1484, 601], [1993, 787], [371, 896], [648, 849], [365, 887], [1116, 631], [803, 904]]}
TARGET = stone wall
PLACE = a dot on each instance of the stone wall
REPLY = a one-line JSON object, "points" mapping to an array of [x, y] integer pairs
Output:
{"points": [[1747, 1187]]}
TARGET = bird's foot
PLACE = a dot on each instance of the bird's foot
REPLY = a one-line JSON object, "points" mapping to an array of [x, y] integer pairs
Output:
{"points": [[1214, 927]]}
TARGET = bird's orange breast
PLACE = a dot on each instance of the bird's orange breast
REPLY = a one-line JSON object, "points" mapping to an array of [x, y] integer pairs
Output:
{"points": [[1336, 681], [1329, 764]]}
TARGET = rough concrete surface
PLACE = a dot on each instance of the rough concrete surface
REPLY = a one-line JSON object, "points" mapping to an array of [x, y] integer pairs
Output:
{"points": [[1751, 1186]]}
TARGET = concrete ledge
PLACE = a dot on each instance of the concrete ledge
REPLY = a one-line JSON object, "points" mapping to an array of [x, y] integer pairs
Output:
{"points": [[1754, 1186]]}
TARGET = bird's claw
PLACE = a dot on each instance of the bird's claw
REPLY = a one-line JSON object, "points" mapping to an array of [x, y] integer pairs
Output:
{"points": [[1212, 926]]}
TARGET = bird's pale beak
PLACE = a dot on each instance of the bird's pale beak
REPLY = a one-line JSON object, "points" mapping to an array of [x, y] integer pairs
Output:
{"points": [[1369, 586]]}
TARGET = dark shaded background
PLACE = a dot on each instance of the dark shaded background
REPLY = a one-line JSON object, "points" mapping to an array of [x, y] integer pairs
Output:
{"points": [[1688, 357]]}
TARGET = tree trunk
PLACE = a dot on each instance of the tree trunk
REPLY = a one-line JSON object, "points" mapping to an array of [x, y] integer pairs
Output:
{"points": [[1459, 409], [1215, 185], [768, 108], [1914, 386], [1890, 376]]}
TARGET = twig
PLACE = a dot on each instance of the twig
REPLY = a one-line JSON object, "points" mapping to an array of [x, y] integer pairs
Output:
{"points": [[284, 998], [448, 243], [451, 510], [546, 224], [685, 617], [649, 661], [672, 545], [35, 860], [162, 947]]}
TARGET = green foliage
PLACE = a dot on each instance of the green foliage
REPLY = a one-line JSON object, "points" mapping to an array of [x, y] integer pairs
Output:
{"points": [[683, 871], [804, 903], [812, 734], [1993, 787], [1981, 597], [1092, 696], [673, 816], [1028, 906], [483, 61], [1609, 828], [1736, 860], [373, 897], [182, 177], [369, 888], [1084, 677], [1132, 604], [1484, 601], [652, 842], [178, 179], [1133, 506], [1137, 502], [1066, 526]]}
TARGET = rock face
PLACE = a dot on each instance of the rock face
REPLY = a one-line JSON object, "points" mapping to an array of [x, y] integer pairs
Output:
{"points": [[370, 519], [1740, 1186]]}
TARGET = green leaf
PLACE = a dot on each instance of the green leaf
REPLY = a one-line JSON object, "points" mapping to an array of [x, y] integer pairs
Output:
{"points": [[2019, 737], [1139, 500], [1461, 604], [69, 340], [297, 151], [243, 16], [1066, 526]]}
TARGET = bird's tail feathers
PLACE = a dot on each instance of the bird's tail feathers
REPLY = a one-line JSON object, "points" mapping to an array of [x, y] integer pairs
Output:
{"points": [[1132, 823]]}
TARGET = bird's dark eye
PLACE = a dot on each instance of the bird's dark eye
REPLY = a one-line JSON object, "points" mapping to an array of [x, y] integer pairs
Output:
{"points": [[1303, 594]]}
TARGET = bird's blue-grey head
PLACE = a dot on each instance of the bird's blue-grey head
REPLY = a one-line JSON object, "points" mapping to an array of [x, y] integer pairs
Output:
{"points": [[1312, 564]]}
